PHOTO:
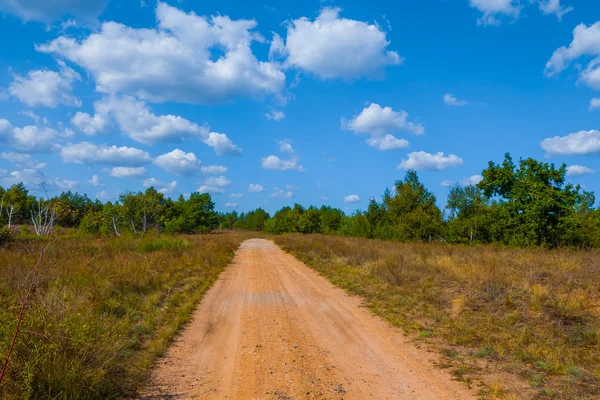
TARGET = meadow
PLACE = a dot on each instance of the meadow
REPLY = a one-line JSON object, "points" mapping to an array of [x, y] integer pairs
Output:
{"points": [[524, 322], [101, 309]]}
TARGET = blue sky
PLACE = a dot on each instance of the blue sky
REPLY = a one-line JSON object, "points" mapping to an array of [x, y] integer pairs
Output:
{"points": [[266, 104]]}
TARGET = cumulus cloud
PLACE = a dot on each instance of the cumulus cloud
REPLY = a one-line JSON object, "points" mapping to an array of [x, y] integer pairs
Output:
{"points": [[93, 125], [222, 145], [492, 10], [128, 172], [135, 119], [21, 160], [447, 183], [32, 138], [422, 161], [387, 142], [472, 180], [48, 11], [95, 180], [231, 205], [213, 170], [175, 61], [578, 170], [237, 195], [46, 88], [178, 162], [333, 47], [353, 198], [594, 104], [253, 187], [285, 146], [554, 7], [276, 163], [164, 188], [284, 194], [275, 115], [214, 184], [586, 42], [89, 153], [450, 100], [582, 142], [379, 122]]}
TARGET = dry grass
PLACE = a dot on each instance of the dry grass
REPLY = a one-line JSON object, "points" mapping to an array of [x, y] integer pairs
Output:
{"points": [[102, 311], [526, 321]]}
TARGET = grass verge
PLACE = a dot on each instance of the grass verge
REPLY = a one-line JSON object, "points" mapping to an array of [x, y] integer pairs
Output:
{"points": [[102, 310], [524, 321]]}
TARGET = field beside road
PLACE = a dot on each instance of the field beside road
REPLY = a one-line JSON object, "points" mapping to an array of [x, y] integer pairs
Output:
{"points": [[101, 310], [526, 321]]}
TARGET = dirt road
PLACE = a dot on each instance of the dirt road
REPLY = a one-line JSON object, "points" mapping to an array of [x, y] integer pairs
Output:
{"points": [[271, 328]]}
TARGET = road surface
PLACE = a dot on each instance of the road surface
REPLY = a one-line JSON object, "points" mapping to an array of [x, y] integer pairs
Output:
{"points": [[272, 328]]}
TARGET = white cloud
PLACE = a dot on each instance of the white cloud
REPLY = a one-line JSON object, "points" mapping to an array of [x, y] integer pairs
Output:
{"points": [[47, 11], [237, 195], [210, 189], [32, 138], [353, 198], [334, 47], [128, 172], [214, 184], [213, 169], [222, 145], [493, 9], [594, 104], [422, 161], [253, 187], [65, 184], [447, 183], [379, 123], [93, 125], [586, 42], [31, 115], [21, 160], [164, 188], [554, 7], [102, 195], [472, 180], [450, 100], [582, 142], [275, 115], [387, 142], [231, 205], [285, 146], [95, 180], [89, 153], [135, 119], [46, 88], [276, 163], [175, 61], [178, 162], [578, 170], [284, 194]]}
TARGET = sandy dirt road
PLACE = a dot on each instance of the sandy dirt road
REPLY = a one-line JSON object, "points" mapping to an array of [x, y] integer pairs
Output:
{"points": [[272, 328]]}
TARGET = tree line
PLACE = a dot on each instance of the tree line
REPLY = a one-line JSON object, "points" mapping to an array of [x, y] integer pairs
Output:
{"points": [[523, 204]]}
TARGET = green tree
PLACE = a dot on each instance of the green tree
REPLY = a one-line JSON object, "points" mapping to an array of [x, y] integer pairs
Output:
{"points": [[534, 205], [413, 210]]}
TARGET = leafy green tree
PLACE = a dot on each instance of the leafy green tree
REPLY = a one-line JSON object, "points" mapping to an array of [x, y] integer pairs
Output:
{"points": [[413, 210], [469, 214], [309, 221], [331, 219], [534, 205]]}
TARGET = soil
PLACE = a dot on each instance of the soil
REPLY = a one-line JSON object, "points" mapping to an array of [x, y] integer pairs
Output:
{"points": [[272, 328]]}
